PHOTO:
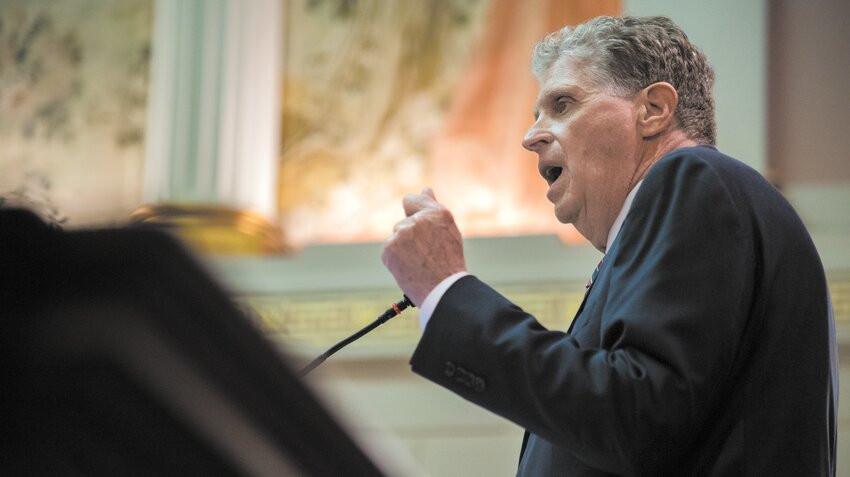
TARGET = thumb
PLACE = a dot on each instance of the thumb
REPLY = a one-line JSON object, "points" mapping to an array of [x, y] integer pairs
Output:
{"points": [[430, 193], [413, 203]]}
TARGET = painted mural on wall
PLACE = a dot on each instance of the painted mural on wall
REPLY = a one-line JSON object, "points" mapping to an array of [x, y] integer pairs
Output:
{"points": [[381, 98], [73, 94], [366, 85]]}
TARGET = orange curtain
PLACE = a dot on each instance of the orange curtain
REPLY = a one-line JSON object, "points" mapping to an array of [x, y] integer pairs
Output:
{"points": [[478, 166]]}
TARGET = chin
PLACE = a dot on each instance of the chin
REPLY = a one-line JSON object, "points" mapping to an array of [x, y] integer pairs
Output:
{"points": [[564, 218], [565, 209]]}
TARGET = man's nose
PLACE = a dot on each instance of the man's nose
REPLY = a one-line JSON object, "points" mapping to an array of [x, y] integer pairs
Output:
{"points": [[535, 138]]}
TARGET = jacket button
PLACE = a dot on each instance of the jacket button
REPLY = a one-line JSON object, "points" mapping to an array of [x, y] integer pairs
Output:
{"points": [[450, 369]]}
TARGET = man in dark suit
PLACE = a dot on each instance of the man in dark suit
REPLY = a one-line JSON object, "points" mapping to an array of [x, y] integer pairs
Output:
{"points": [[705, 344]]}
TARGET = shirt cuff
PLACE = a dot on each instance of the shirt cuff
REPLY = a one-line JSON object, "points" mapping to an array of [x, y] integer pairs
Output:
{"points": [[426, 309]]}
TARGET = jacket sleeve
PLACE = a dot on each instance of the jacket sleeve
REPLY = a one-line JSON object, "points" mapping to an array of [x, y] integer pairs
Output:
{"points": [[652, 350]]}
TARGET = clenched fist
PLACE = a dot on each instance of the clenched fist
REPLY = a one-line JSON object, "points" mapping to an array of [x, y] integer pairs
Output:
{"points": [[425, 247]]}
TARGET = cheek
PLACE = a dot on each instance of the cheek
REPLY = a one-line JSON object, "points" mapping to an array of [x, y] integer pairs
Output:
{"points": [[597, 141], [603, 150], [611, 139]]}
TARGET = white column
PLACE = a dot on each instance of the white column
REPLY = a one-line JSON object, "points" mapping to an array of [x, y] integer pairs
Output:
{"points": [[214, 104]]}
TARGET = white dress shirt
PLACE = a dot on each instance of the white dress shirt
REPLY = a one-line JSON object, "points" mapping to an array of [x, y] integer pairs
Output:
{"points": [[426, 309]]}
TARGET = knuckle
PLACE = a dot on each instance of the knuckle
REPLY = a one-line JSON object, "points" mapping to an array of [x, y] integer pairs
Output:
{"points": [[402, 224], [402, 227], [444, 215], [408, 200]]}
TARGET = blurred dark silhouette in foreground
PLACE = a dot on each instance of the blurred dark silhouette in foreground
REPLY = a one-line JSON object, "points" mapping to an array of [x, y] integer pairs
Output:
{"points": [[121, 356]]}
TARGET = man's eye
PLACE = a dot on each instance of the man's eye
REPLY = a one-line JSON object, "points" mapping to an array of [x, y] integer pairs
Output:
{"points": [[561, 104]]}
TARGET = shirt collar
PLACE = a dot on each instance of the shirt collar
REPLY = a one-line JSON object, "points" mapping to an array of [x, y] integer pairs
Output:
{"points": [[621, 217]]}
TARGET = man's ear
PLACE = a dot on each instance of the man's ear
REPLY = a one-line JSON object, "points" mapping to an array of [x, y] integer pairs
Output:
{"points": [[658, 103]]}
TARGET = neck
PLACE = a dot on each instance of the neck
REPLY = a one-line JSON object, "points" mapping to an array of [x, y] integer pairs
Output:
{"points": [[651, 150], [657, 147]]}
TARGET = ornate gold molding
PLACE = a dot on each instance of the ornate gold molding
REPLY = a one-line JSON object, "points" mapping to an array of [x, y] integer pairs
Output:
{"points": [[321, 319], [215, 229], [839, 289]]}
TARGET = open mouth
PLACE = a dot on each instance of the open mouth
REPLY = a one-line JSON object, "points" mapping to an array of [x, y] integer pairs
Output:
{"points": [[551, 174]]}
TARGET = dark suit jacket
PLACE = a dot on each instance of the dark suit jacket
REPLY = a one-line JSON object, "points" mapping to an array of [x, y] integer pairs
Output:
{"points": [[705, 346]]}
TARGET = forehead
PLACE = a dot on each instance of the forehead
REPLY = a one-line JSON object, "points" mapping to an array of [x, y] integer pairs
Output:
{"points": [[566, 74]]}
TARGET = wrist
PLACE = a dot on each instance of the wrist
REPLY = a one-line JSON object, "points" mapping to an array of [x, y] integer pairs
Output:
{"points": [[430, 302]]}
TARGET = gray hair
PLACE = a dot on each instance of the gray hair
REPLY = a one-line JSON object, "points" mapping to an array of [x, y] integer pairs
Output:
{"points": [[625, 55]]}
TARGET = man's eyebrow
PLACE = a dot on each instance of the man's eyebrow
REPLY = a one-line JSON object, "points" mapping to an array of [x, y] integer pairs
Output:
{"points": [[573, 91]]}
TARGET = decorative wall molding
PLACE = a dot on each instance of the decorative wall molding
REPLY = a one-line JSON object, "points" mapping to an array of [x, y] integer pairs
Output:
{"points": [[839, 289], [312, 321], [320, 319]]}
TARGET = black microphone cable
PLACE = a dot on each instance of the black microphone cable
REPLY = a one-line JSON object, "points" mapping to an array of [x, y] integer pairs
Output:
{"points": [[392, 311]]}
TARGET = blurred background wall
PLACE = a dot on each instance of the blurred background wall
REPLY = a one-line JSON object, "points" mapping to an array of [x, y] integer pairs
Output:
{"points": [[75, 78]]}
